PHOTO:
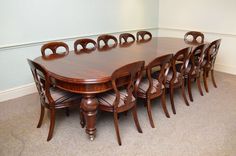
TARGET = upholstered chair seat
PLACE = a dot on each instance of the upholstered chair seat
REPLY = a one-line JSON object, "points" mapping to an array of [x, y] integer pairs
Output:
{"points": [[108, 98], [144, 85]]}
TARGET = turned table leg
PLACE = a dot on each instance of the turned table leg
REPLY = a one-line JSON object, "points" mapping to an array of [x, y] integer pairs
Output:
{"points": [[89, 104]]}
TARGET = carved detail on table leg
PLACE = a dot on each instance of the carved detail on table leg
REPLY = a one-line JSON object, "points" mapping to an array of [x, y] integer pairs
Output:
{"points": [[89, 104]]}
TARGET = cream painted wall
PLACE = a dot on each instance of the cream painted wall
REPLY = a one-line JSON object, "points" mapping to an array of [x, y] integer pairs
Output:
{"points": [[215, 18], [27, 24], [28, 21]]}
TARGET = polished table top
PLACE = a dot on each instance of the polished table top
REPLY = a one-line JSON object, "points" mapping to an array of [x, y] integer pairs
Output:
{"points": [[97, 66]]}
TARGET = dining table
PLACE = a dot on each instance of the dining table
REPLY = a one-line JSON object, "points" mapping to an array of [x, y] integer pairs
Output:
{"points": [[89, 73]]}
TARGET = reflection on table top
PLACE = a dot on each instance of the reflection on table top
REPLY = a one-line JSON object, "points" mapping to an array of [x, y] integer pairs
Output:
{"points": [[97, 66]]}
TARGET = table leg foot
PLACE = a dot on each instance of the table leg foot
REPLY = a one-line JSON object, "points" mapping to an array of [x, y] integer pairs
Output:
{"points": [[89, 104], [91, 137]]}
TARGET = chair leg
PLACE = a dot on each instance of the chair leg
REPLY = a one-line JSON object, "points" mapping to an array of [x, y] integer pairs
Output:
{"points": [[82, 119], [52, 124], [149, 110], [199, 86], [41, 117], [190, 89], [184, 95], [172, 99], [67, 111], [135, 116], [207, 73], [117, 127], [205, 81], [213, 78], [163, 103]]}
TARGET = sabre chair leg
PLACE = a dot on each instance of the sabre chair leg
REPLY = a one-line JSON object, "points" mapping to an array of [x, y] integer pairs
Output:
{"points": [[190, 89], [205, 81], [82, 119], [117, 127], [67, 111], [149, 110], [184, 95], [135, 116], [41, 117], [163, 103], [213, 78], [172, 99], [52, 124], [199, 86]]}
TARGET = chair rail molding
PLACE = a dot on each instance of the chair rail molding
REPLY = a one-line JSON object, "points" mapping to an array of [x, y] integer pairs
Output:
{"points": [[66, 39], [186, 30]]}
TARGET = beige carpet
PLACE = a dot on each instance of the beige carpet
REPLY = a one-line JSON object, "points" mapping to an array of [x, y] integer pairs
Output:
{"points": [[206, 128]]}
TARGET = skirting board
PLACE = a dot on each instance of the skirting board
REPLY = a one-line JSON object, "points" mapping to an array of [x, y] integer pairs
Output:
{"points": [[30, 88], [17, 92], [225, 69]]}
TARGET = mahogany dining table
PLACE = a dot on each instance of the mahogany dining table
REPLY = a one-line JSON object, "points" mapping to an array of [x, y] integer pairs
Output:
{"points": [[89, 74]]}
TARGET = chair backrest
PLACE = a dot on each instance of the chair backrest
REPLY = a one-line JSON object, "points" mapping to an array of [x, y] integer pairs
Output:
{"points": [[84, 45], [53, 46], [212, 51], [105, 38], [164, 63], [133, 73], [196, 58], [42, 82], [125, 37], [194, 37], [141, 36], [183, 57]]}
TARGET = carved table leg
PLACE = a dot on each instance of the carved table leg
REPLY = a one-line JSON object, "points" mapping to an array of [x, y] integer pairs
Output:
{"points": [[89, 104]]}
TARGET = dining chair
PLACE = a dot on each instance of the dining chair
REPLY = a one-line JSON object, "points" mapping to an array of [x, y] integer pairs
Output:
{"points": [[86, 45], [53, 47], [209, 62], [194, 37], [151, 88], [106, 38], [175, 79], [51, 97], [141, 36], [193, 70], [123, 97], [125, 37]]}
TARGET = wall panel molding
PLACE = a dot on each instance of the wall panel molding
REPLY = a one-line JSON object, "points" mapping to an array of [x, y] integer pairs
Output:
{"points": [[37, 43], [186, 30]]}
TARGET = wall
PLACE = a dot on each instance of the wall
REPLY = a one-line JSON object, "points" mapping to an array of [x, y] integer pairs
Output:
{"points": [[27, 24], [28, 21], [215, 18]]}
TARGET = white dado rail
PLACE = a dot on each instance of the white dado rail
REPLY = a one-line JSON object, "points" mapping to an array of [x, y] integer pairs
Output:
{"points": [[68, 39], [186, 30]]}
